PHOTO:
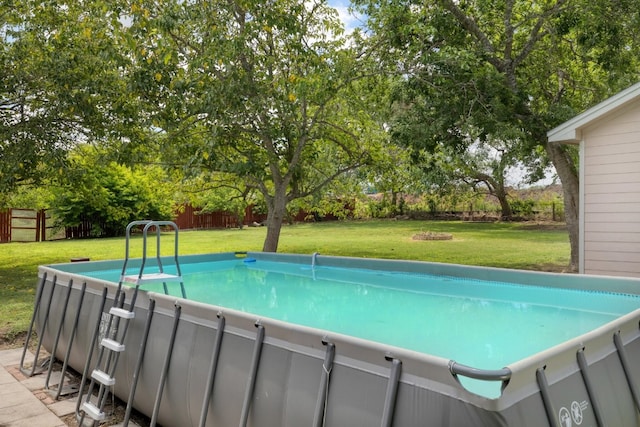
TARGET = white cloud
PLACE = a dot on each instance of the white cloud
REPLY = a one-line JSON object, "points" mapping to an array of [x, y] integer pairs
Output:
{"points": [[349, 19]]}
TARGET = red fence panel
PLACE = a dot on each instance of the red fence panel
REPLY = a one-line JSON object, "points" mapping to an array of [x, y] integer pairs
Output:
{"points": [[30, 225], [190, 218], [184, 218], [5, 226], [81, 231]]}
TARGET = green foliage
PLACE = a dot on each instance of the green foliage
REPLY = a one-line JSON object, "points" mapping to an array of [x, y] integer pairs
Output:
{"points": [[110, 195], [544, 204], [60, 84], [269, 92], [523, 207], [506, 72], [480, 72], [28, 197], [218, 191]]}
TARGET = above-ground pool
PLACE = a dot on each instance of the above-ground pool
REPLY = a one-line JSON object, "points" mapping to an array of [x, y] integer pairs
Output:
{"points": [[295, 340]]}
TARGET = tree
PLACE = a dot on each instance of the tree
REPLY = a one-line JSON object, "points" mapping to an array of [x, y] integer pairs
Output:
{"points": [[393, 172], [509, 71], [442, 137], [60, 84], [483, 167], [267, 91], [108, 194], [218, 191]]}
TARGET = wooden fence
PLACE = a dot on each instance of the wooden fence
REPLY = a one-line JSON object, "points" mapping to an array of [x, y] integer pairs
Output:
{"points": [[190, 218], [26, 225], [5, 226], [29, 225], [82, 231]]}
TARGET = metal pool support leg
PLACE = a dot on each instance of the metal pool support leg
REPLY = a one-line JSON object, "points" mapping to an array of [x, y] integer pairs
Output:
{"points": [[584, 370], [392, 391], [65, 362], [323, 393], [626, 367], [41, 332], [94, 339], [251, 384], [36, 309], [58, 333], [546, 398], [165, 368], [76, 320], [136, 373], [211, 378]]}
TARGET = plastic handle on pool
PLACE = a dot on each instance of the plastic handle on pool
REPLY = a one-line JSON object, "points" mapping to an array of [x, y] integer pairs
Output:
{"points": [[456, 368]]}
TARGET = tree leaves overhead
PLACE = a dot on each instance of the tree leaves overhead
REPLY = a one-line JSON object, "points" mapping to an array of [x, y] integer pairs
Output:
{"points": [[506, 71], [260, 90], [60, 84]]}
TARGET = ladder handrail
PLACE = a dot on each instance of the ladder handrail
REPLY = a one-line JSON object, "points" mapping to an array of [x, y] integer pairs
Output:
{"points": [[128, 237], [158, 224], [145, 231]]}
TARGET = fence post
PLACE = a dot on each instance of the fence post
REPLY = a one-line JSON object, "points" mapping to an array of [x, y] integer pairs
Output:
{"points": [[41, 227], [5, 226]]}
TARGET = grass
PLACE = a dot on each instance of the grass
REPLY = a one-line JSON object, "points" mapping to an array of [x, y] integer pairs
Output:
{"points": [[508, 245]]}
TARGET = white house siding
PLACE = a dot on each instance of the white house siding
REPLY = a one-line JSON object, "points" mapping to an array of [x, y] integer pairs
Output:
{"points": [[612, 194]]}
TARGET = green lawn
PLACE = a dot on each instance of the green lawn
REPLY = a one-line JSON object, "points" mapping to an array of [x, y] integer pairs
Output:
{"points": [[509, 245]]}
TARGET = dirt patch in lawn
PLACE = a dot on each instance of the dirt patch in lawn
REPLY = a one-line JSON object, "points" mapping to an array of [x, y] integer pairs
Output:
{"points": [[432, 235], [544, 226]]}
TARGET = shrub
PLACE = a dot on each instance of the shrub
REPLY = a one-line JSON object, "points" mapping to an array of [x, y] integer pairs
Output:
{"points": [[109, 195]]}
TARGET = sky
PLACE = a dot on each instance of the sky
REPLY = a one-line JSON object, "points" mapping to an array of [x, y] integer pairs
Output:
{"points": [[342, 6]]}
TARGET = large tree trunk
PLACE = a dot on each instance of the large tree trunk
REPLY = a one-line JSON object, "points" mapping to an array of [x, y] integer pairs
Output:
{"points": [[496, 189], [276, 211], [568, 175], [505, 207]]}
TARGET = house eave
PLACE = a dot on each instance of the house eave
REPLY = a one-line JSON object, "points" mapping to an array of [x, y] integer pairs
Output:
{"points": [[570, 132]]}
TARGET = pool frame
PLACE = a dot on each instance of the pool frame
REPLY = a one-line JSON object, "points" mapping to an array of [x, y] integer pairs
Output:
{"points": [[232, 368]]}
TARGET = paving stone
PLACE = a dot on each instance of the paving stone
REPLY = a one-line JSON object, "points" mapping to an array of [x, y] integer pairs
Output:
{"points": [[63, 407], [19, 407], [37, 382], [13, 356]]}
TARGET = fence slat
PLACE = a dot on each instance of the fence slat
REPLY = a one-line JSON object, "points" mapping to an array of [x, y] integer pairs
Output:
{"points": [[5, 226]]}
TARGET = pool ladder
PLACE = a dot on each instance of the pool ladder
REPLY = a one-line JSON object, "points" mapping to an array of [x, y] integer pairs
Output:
{"points": [[112, 345]]}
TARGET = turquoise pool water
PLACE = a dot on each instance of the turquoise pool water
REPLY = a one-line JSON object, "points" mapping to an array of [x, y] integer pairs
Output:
{"points": [[483, 324]]}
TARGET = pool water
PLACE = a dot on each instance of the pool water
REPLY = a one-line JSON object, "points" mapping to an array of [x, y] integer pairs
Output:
{"points": [[483, 324]]}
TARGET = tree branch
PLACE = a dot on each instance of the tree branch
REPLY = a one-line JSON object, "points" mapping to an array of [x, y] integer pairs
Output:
{"points": [[508, 29], [535, 34], [301, 194], [472, 27]]}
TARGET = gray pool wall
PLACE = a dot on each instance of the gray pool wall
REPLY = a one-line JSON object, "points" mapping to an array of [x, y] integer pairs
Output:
{"points": [[288, 388]]}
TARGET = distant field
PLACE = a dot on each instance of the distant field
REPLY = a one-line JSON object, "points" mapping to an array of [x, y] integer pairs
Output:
{"points": [[509, 245]]}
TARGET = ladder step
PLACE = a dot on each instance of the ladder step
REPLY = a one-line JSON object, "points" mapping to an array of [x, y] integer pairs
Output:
{"points": [[102, 377], [112, 345], [93, 411], [122, 313], [152, 278]]}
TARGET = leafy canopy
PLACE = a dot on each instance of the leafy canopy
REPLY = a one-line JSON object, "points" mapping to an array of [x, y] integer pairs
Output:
{"points": [[110, 195], [61, 84], [264, 91]]}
